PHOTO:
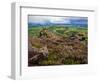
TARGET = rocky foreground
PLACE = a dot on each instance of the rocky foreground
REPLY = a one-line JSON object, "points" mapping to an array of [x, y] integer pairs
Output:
{"points": [[52, 49]]}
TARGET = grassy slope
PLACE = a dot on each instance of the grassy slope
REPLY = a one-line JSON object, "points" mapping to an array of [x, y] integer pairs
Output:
{"points": [[55, 57]]}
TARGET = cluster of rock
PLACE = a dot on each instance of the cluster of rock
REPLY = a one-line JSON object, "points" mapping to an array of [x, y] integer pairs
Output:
{"points": [[36, 54], [65, 48]]}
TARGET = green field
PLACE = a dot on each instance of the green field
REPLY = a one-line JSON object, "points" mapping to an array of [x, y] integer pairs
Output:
{"points": [[57, 45]]}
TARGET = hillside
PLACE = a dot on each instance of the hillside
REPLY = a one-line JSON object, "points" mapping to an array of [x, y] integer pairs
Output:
{"points": [[57, 46]]}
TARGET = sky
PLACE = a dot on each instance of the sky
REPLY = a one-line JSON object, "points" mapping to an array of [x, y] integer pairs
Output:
{"points": [[56, 20]]}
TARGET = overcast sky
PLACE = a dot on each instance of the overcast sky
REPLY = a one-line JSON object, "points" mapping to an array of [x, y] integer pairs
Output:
{"points": [[54, 20]]}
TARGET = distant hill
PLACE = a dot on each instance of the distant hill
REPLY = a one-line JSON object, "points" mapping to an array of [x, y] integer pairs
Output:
{"points": [[50, 24]]}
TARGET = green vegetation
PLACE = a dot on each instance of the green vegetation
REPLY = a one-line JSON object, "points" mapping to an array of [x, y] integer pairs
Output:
{"points": [[57, 45]]}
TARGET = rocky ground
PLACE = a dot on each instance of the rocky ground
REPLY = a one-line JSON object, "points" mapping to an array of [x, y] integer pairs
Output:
{"points": [[52, 49]]}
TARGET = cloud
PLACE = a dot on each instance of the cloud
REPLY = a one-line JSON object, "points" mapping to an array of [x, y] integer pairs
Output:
{"points": [[37, 19], [56, 20]]}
